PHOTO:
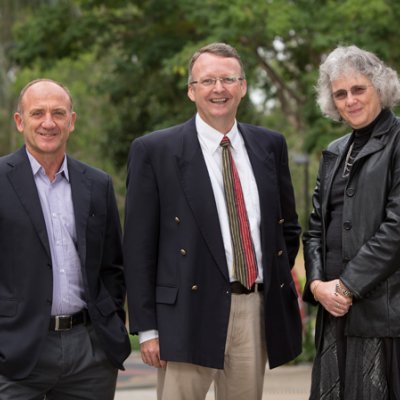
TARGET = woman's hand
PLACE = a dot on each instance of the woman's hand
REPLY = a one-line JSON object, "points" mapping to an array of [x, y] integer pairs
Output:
{"points": [[335, 303]]}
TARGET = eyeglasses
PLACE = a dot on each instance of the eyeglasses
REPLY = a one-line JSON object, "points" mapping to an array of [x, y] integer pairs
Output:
{"points": [[356, 90], [226, 81]]}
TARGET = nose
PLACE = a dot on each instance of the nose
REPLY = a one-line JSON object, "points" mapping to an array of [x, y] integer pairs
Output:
{"points": [[219, 85], [48, 122], [350, 99]]}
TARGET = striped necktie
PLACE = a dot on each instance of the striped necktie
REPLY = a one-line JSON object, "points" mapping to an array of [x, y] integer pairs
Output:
{"points": [[244, 257]]}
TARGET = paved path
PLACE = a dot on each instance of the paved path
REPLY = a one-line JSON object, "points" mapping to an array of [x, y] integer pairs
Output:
{"points": [[284, 383]]}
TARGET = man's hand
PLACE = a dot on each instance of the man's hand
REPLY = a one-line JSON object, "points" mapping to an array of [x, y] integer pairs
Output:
{"points": [[150, 351]]}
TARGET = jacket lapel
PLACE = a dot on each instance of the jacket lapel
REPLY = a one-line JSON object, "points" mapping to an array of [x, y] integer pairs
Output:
{"points": [[81, 194], [372, 146], [381, 129], [330, 164], [197, 188], [21, 179]]}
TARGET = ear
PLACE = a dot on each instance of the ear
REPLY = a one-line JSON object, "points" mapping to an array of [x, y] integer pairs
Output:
{"points": [[72, 123], [191, 93], [243, 86], [19, 123]]}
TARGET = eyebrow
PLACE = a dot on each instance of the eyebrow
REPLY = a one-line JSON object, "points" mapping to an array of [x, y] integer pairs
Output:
{"points": [[57, 109]]}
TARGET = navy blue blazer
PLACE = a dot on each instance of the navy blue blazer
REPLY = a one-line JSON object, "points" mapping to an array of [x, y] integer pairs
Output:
{"points": [[26, 287], [175, 264]]}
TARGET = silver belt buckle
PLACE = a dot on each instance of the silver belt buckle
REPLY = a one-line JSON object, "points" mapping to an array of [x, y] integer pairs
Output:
{"points": [[63, 322]]}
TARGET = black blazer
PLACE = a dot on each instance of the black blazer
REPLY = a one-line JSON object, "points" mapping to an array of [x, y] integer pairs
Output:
{"points": [[175, 264], [26, 268]]}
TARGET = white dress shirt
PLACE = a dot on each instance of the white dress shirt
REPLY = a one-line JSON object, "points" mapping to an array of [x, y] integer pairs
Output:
{"points": [[210, 140]]}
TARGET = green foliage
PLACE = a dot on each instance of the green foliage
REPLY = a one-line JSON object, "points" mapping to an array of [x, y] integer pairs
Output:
{"points": [[126, 62], [134, 340], [281, 43], [39, 39]]}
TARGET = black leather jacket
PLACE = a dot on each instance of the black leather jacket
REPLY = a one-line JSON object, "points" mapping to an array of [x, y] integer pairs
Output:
{"points": [[371, 230]]}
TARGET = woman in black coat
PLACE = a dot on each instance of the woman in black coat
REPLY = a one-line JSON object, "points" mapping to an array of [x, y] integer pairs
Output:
{"points": [[352, 247]]}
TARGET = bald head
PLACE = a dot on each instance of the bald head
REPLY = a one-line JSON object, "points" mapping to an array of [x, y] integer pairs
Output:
{"points": [[20, 104]]}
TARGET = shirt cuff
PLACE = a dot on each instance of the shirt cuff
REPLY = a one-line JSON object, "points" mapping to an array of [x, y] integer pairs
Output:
{"points": [[147, 335]]}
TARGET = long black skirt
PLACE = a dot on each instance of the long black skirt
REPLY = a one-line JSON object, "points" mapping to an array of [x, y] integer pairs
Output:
{"points": [[355, 368]]}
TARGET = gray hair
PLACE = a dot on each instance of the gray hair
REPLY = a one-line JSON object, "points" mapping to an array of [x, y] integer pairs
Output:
{"points": [[218, 49], [352, 59]]}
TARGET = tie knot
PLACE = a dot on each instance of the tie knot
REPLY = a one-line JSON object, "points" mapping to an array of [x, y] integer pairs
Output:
{"points": [[225, 142]]}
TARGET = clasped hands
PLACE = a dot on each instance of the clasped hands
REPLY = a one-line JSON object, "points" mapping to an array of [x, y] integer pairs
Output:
{"points": [[332, 296]]}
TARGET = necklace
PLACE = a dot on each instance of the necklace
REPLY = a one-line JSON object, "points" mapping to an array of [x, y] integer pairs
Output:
{"points": [[348, 164]]}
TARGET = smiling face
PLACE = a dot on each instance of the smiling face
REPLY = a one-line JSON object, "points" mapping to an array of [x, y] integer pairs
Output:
{"points": [[217, 104], [361, 105], [45, 120]]}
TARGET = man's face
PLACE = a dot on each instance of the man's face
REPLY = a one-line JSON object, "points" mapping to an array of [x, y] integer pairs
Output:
{"points": [[45, 120], [217, 104]]}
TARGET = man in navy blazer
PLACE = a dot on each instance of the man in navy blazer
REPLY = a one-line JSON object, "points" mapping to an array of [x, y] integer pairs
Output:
{"points": [[195, 321], [62, 332]]}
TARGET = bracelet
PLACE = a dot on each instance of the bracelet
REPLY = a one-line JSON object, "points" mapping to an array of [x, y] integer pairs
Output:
{"points": [[343, 290], [314, 292]]}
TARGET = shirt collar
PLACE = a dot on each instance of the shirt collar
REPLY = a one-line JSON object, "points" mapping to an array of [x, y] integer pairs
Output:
{"points": [[211, 137], [36, 167]]}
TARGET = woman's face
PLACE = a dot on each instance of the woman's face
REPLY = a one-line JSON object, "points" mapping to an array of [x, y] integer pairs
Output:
{"points": [[356, 99]]}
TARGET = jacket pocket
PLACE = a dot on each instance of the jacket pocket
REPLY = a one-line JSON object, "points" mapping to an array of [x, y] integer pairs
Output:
{"points": [[166, 295]]}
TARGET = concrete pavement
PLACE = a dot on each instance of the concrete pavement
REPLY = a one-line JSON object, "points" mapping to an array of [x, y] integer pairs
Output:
{"points": [[138, 382]]}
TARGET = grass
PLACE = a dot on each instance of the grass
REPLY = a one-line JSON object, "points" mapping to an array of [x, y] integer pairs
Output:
{"points": [[134, 339]]}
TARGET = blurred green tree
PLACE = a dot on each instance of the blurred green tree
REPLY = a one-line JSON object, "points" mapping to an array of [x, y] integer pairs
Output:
{"points": [[9, 12], [147, 45], [126, 63]]}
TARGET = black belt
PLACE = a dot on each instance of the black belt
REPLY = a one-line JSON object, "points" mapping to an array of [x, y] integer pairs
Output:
{"points": [[67, 322], [238, 288]]}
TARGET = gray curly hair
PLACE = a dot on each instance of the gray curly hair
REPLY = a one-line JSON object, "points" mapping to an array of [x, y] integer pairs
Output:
{"points": [[351, 59]]}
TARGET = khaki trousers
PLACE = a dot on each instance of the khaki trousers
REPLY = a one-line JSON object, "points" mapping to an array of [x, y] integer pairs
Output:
{"points": [[245, 358]]}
